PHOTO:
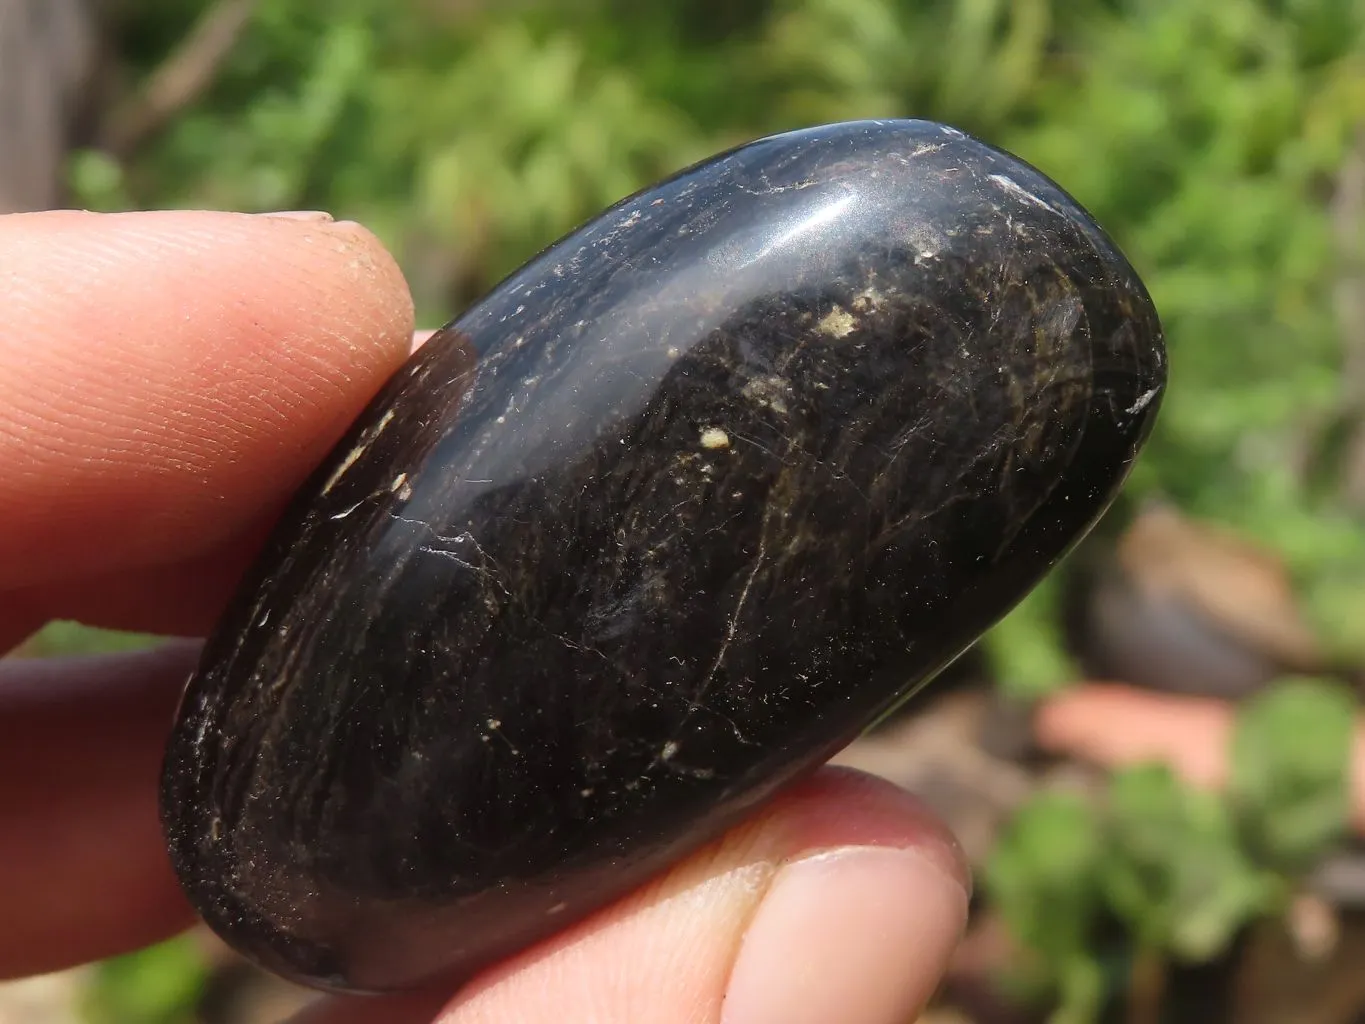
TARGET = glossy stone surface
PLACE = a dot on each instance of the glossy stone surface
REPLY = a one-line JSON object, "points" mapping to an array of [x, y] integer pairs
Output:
{"points": [[663, 522]]}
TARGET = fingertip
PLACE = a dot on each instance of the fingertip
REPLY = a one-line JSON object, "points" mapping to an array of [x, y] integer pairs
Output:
{"points": [[859, 922], [859, 934], [842, 807], [843, 854], [413, 1008], [83, 868], [166, 376]]}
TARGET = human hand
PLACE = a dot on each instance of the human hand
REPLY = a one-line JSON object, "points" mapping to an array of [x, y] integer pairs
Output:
{"points": [[166, 380]]}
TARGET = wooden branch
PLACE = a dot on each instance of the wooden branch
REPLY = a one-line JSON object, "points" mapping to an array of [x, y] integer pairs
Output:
{"points": [[181, 78], [47, 55], [1348, 223]]}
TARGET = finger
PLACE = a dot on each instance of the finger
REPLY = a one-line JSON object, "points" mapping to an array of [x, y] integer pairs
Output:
{"points": [[842, 901], [83, 867], [19, 619], [167, 378], [183, 598], [1119, 726]]}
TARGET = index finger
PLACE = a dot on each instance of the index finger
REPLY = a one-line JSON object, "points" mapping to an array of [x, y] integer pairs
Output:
{"points": [[166, 379]]}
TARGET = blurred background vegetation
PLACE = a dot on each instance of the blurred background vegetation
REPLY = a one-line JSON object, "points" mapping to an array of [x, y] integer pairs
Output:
{"points": [[1222, 145]]}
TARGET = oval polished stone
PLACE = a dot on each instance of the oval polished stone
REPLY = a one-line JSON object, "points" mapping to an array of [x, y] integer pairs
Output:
{"points": [[662, 523]]}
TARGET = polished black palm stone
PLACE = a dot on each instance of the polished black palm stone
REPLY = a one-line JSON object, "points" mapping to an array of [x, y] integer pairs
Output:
{"points": [[662, 523]]}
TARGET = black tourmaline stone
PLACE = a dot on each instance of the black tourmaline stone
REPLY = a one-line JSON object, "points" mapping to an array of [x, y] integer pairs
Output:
{"points": [[663, 522]]}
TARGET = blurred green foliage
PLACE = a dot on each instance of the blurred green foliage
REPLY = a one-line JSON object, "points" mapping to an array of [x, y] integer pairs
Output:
{"points": [[1290, 783], [1044, 880], [1212, 140], [158, 985], [75, 639], [1176, 873], [1183, 870]]}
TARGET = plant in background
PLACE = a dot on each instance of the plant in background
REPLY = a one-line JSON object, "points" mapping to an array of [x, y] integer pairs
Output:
{"points": [[1184, 870], [1176, 876], [1043, 880], [1289, 786], [159, 985]]}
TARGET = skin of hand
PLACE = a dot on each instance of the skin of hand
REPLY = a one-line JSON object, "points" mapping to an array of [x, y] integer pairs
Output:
{"points": [[166, 380]]}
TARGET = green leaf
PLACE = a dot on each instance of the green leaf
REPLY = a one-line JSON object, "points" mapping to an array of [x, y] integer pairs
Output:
{"points": [[1176, 873], [1291, 755], [1026, 645], [97, 182], [1042, 876], [158, 985], [71, 638], [1081, 992]]}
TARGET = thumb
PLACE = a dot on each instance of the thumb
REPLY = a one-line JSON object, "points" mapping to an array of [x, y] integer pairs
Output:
{"points": [[842, 901]]}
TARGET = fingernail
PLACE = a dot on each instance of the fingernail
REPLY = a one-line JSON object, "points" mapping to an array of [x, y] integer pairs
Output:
{"points": [[860, 936], [313, 215]]}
